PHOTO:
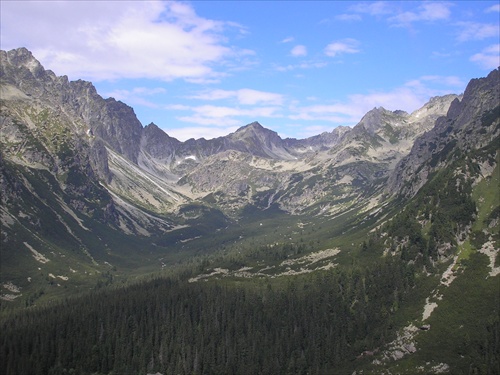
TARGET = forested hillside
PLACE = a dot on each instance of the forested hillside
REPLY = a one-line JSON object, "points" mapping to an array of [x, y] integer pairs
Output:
{"points": [[371, 250], [318, 323]]}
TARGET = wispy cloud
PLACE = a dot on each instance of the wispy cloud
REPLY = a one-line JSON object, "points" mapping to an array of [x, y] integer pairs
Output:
{"points": [[373, 8], [299, 50], [343, 46], [488, 58], [216, 113], [168, 39], [476, 31], [493, 8], [348, 17], [408, 97], [210, 121], [303, 65], [137, 96], [224, 116], [288, 39], [427, 11], [452, 81], [243, 96]]}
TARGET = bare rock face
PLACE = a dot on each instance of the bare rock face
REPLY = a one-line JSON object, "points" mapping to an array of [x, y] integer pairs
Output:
{"points": [[114, 122], [470, 123], [63, 126]]}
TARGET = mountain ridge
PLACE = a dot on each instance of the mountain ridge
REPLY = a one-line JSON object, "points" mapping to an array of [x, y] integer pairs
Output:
{"points": [[393, 223], [103, 178], [123, 157]]}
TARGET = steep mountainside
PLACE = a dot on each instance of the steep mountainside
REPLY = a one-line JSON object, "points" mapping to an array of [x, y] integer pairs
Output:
{"points": [[146, 167], [73, 162], [471, 124], [382, 238]]}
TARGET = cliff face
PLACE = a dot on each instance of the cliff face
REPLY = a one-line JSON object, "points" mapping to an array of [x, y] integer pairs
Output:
{"points": [[101, 156], [470, 124], [50, 122]]}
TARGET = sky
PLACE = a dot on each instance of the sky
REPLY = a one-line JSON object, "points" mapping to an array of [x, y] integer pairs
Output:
{"points": [[205, 68]]}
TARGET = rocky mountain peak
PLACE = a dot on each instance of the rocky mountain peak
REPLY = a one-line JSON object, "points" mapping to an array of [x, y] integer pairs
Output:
{"points": [[373, 120], [23, 58], [469, 124], [254, 129], [259, 141], [158, 143], [435, 107]]}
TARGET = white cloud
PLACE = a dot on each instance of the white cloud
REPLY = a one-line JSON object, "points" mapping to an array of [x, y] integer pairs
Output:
{"points": [[222, 112], [373, 8], [302, 65], [215, 117], [488, 58], [310, 131], [243, 96], [288, 39], [427, 11], [348, 17], [251, 97], [493, 8], [409, 97], [137, 96], [299, 50], [348, 45], [217, 94], [177, 107], [101, 40], [435, 79], [476, 31]]}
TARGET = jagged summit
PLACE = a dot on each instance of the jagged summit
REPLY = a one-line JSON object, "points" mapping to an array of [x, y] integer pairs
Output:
{"points": [[253, 125], [471, 122], [378, 117], [119, 141], [72, 131], [90, 195]]}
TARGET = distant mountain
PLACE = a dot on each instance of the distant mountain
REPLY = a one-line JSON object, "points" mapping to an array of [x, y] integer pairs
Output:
{"points": [[404, 205], [470, 124], [96, 163], [85, 161]]}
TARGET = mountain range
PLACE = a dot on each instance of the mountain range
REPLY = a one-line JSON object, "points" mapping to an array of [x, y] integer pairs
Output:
{"points": [[89, 194]]}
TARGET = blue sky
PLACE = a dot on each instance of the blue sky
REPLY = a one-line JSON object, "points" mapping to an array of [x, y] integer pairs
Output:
{"points": [[206, 68]]}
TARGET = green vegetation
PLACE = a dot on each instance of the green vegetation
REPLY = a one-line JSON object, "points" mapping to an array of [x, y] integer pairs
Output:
{"points": [[317, 323], [210, 294]]}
